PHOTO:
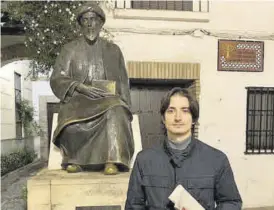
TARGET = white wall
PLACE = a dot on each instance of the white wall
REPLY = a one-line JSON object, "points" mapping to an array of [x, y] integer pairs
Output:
{"points": [[249, 16], [7, 94], [223, 124], [223, 94], [39, 88]]}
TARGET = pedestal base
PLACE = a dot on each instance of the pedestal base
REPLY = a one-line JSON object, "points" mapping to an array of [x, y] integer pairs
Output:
{"points": [[58, 190]]}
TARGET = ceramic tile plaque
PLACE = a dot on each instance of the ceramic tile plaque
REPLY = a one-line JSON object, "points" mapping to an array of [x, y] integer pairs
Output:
{"points": [[245, 56]]}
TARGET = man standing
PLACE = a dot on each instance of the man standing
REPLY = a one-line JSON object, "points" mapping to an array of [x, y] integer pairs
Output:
{"points": [[181, 159]]}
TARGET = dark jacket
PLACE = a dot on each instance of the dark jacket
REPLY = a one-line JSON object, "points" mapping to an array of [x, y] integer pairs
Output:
{"points": [[204, 172]]}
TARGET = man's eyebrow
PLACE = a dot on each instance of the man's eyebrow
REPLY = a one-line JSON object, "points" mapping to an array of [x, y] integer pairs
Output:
{"points": [[184, 107], [171, 107]]}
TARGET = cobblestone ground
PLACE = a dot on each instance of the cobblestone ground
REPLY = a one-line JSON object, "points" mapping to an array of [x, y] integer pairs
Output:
{"points": [[12, 199]]}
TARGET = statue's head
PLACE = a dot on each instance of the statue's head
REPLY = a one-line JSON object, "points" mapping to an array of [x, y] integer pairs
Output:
{"points": [[91, 19]]}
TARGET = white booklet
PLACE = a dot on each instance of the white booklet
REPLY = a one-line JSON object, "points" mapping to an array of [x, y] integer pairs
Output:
{"points": [[182, 199]]}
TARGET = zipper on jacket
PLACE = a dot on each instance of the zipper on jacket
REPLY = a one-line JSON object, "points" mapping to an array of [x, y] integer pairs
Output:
{"points": [[174, 184], [175, 177]]}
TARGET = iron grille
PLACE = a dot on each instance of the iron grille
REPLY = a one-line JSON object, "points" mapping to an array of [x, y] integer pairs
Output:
{"points": [[260, 120], [18, 116], [185, 5]]}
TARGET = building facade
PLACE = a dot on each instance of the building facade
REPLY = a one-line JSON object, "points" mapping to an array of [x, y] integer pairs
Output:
{"points": [[222, 51], [14, 88], [186, 45]]}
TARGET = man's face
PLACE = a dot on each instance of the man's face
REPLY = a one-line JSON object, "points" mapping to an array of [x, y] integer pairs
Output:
{"points": [[91, 25], [177, 118]]}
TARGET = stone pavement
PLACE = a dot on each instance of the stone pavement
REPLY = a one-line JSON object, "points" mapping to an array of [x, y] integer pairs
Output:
{"points": [[14, 185], [11, 199]]}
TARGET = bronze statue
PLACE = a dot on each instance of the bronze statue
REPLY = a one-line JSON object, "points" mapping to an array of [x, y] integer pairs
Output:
{"points": [[90, 79]]}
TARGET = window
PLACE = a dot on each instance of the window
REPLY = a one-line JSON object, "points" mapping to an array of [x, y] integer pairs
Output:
{"points": [[163, 5], [18, 117], [183, 5], [260, 120]]}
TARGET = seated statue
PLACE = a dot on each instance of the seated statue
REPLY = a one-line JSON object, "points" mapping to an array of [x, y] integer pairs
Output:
{"points": [[94, 121]]}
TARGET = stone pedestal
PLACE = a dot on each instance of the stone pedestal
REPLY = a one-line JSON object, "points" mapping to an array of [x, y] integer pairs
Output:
{"points": [[55, 189], [58, 190]]}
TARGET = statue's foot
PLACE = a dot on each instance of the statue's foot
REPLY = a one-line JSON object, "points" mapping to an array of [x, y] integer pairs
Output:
{"points": [[74, 168], [110, 169]]}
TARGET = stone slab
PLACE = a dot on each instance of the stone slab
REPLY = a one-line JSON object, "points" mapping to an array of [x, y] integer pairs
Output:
{"points": [[55, 157], [59, 190]]}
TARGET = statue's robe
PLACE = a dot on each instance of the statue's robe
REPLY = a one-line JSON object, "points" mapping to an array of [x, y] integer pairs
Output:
{"points": [[92, 132]]}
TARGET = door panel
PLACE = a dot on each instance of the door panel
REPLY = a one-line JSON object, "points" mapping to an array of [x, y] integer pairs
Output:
{"points": [[51, 109], [146, 100]]}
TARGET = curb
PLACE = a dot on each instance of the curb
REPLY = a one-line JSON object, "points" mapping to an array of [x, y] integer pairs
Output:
{"points": [[24, 171]]}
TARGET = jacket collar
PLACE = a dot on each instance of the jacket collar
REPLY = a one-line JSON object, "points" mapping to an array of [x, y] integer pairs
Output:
{"points": [[186, 154]]}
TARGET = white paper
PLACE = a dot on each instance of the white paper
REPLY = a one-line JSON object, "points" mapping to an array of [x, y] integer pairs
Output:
{"points": [[182, 199]]}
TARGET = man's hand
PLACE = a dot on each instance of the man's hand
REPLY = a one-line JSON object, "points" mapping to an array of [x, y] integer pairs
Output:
{"points": [[92, 92]]}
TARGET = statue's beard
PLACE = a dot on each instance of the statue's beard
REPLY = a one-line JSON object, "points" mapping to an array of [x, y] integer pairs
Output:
{"points": [[91, 34], [91, 37]]}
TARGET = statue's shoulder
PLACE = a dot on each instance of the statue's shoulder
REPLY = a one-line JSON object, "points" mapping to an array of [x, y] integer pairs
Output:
{"points": [[74, 44], [109, 45]]}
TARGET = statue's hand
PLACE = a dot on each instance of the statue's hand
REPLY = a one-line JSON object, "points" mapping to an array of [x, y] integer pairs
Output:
{"points": [[98, 93], [92, 92]]}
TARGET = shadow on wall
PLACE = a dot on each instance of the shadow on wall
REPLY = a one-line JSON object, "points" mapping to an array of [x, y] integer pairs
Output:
{"points": [[10, 145]]}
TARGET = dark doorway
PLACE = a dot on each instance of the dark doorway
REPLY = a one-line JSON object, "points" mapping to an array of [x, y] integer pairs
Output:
{"points": [[51, 109], [146, 97]]}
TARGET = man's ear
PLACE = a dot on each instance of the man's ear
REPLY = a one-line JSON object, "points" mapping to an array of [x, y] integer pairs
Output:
{"points": [[163, 119]]}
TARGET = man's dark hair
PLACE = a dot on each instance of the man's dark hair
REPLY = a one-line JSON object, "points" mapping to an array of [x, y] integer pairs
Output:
{"points": [[193, 103]]}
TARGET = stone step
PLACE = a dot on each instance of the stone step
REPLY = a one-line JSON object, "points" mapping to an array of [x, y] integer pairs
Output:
{"points": [[58, 190]]}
